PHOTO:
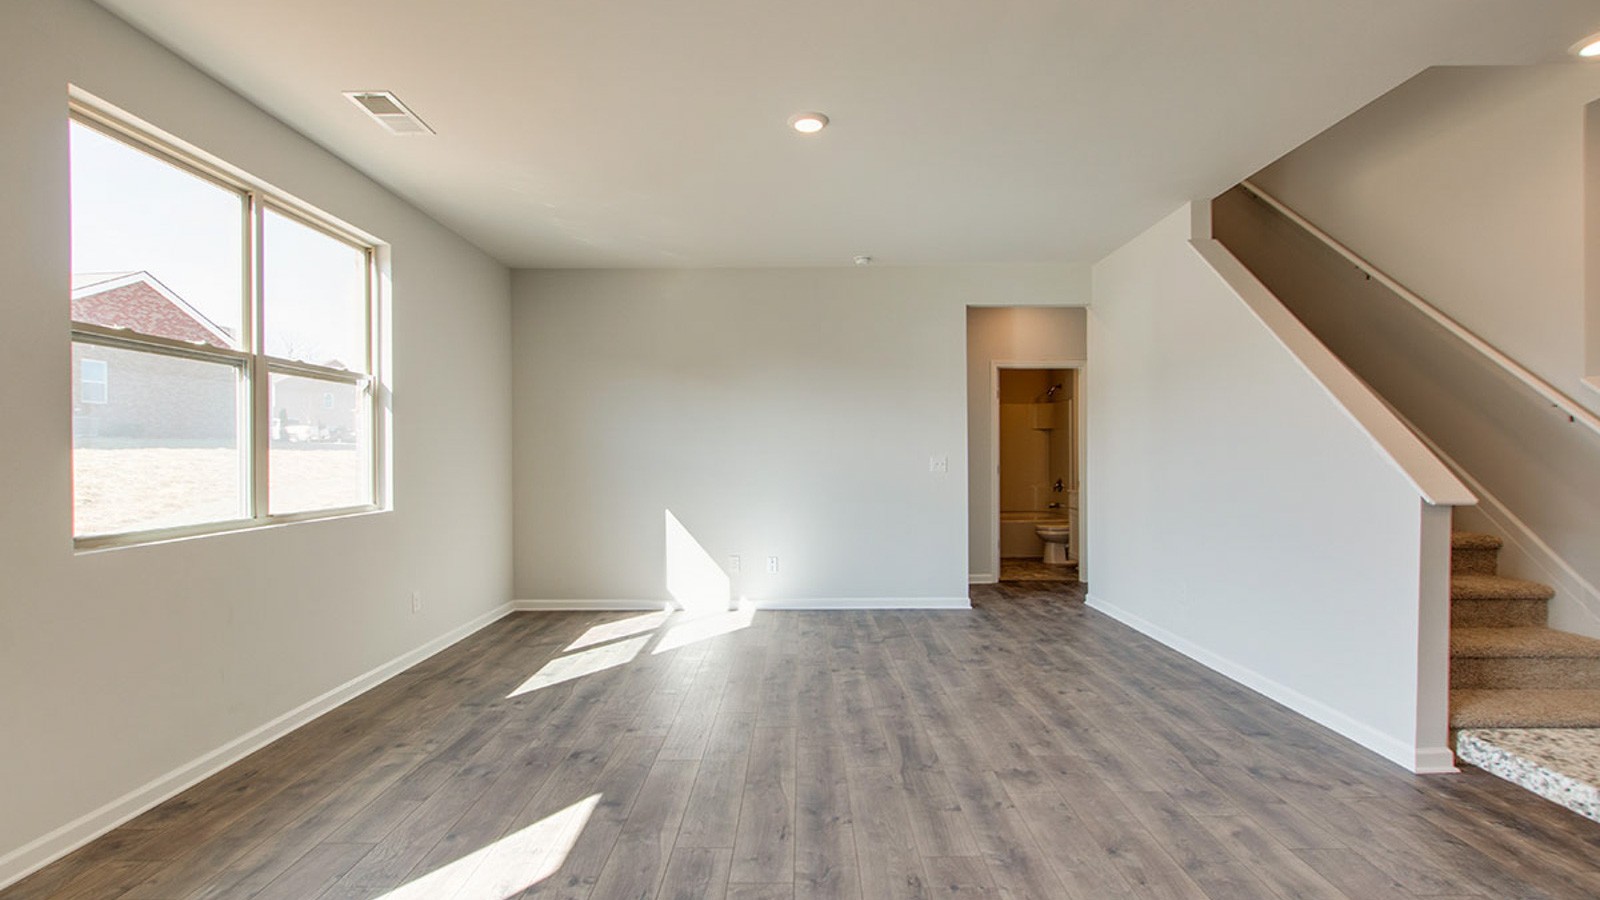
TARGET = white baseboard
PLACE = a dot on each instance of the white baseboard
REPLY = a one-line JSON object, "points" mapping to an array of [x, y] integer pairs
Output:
{"points": [[1435, 761], [864, 603], [35, 855], [1421, 760], [982, 578], [774, 603], [634, 605]]}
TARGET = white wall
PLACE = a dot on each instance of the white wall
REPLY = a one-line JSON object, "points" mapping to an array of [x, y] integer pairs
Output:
{"points": [[786, 412], [1467, 184], [118, 668], [1017, 334], [1243, 516]]}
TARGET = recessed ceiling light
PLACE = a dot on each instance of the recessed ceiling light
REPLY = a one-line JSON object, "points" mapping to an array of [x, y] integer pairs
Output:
{"points": [[863, 260], [387, 110], [808, 122], [1587, 48]]}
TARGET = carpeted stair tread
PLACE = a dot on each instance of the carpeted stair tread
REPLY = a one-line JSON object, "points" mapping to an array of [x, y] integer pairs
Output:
{"points": [[1523, 641], [1497, 587], [1526, 708], [1500, 613], [1472, 540]]}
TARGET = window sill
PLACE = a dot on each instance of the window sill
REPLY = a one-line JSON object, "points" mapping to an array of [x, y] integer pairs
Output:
{"points": [[102, 543]]}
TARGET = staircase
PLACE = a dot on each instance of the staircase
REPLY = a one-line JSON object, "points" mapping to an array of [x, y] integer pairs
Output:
{"points": [[1524, 698], [1507, 668]]}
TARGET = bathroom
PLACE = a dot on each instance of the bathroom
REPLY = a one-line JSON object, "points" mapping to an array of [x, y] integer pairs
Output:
{"points": [[1038, 474]]}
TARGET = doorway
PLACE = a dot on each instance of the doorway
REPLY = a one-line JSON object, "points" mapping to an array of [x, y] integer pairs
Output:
{"points": [[1037, 428]]}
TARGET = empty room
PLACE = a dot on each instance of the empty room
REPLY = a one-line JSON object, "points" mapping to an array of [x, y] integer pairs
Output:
{"points": [[1044, 449]]}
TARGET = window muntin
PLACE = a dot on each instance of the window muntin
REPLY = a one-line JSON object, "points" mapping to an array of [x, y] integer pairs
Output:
{"points": [[190, 441]]}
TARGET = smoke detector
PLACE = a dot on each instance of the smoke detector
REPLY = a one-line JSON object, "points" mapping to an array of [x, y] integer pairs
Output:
{"points": [[387, 110]]}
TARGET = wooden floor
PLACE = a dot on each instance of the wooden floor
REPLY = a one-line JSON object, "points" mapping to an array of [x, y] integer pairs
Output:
{"points": [[1028, 748]]}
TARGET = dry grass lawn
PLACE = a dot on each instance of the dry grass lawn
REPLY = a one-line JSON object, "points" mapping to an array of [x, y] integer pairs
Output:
{"points": [[133, 489]]}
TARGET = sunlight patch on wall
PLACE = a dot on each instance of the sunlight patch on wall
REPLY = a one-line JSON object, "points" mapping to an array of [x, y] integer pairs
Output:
{"points": [[694, 579], [508, 866]]}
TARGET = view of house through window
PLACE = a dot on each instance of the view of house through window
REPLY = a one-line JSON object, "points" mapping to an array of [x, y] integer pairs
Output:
{"points": [[170, 429]]}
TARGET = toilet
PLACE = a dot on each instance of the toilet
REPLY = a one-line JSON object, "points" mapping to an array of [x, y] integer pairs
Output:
{"points": [[1055, 539]]}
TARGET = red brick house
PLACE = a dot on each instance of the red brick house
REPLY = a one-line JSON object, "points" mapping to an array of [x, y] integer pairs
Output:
{"points": [[127, 398]]}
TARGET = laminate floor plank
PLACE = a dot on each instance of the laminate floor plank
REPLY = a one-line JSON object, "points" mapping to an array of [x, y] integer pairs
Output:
{"points": [[760, 891], [886, 848], [108, 880], [697, 873], [1018, 864], [961, 878], [639, 859], [1028, 748], [1084, 867], [314, 872], [1198, 853], [1350, 872], [618, 786], [689, 733], [252, 870], [1275, 864], [497, 811], [860, 733], [1523, 852], [763, 846], [825, 864], [1150, 868]]}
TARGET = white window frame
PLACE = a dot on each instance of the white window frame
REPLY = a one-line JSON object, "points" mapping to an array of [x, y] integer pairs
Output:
{"points": [[254, 365], [103, 382]]}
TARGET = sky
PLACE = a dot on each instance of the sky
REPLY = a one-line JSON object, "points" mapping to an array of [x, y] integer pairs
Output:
{"points": [[132, 212]]}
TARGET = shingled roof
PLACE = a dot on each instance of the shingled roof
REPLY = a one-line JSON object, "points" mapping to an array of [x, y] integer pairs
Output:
{"points": [[139, 302]]}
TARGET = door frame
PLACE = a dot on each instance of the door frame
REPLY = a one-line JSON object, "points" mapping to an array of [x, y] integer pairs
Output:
{"points": [[1082, 450]]}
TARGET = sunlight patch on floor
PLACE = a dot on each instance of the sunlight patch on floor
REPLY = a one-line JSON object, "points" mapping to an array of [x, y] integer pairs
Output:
{"points": [[584, 662], [686, 629], [698, 586], [508, 866], [621, 628]]}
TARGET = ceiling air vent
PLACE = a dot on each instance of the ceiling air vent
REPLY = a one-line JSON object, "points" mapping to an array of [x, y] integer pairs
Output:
{"points": [[387, 110]]}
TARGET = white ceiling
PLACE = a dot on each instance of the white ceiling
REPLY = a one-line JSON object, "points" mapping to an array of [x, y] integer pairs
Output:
{"points": [[652, 133]]}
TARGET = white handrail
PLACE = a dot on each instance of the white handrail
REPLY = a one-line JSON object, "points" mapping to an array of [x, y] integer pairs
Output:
{"points": [[1574, 411]]}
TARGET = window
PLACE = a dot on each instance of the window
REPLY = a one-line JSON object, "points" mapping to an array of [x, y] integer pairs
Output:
{"points": [[94, 381], [241, 325]]}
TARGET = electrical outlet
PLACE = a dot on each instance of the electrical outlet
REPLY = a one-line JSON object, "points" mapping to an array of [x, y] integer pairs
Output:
{"points": [[416, 602], [772, 565], [939, 465], [733, 564]]}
